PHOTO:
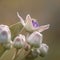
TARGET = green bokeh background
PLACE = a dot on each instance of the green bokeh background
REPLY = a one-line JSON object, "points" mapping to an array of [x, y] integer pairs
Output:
{"points": [[45, 11]]}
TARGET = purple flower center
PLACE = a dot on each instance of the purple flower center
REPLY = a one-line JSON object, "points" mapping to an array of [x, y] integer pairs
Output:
{"points": [[35, 23]]}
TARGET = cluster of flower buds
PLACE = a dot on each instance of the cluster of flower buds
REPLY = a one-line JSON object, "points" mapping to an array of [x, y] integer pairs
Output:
{"points": [[35, 38], [32, 42], [41, 51]]}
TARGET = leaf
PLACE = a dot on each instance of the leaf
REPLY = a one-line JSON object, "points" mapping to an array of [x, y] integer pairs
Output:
{"points": [[2, 50], [15, 29], [22, 54], [10, 53]]}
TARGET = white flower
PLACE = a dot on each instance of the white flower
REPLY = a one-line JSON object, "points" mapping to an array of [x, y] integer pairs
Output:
{"points": [[19, 41], [5, 34], [30, 24], [35, 39], [43, 50]]}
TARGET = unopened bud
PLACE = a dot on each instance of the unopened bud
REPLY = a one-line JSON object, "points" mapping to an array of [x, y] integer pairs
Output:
{"points": [[19, 41], [5, 34], [35, 39], [43, 50]]}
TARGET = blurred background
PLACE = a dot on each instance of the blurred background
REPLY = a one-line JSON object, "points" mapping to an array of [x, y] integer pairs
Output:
{"points": [[45, 11]]}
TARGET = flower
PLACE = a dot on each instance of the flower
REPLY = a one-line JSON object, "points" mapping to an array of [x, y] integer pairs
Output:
{"points": [[30, 24], [35, 39], [5, 34], [19, 41], [43, 49]]}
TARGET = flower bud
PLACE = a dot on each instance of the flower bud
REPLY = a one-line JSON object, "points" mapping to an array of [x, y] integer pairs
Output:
{"points": [[5, 34], [27, 46], [19, 41], [43, 50], [35, 39]]}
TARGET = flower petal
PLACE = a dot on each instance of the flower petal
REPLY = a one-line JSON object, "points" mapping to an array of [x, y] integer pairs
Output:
{"points": [[28, 17], [43, 28], [21, 19]]}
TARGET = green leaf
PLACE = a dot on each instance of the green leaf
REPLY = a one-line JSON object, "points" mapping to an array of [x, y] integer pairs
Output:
{"points": [[15, 29], [22, 54], [8, 54], [2, 50]]}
